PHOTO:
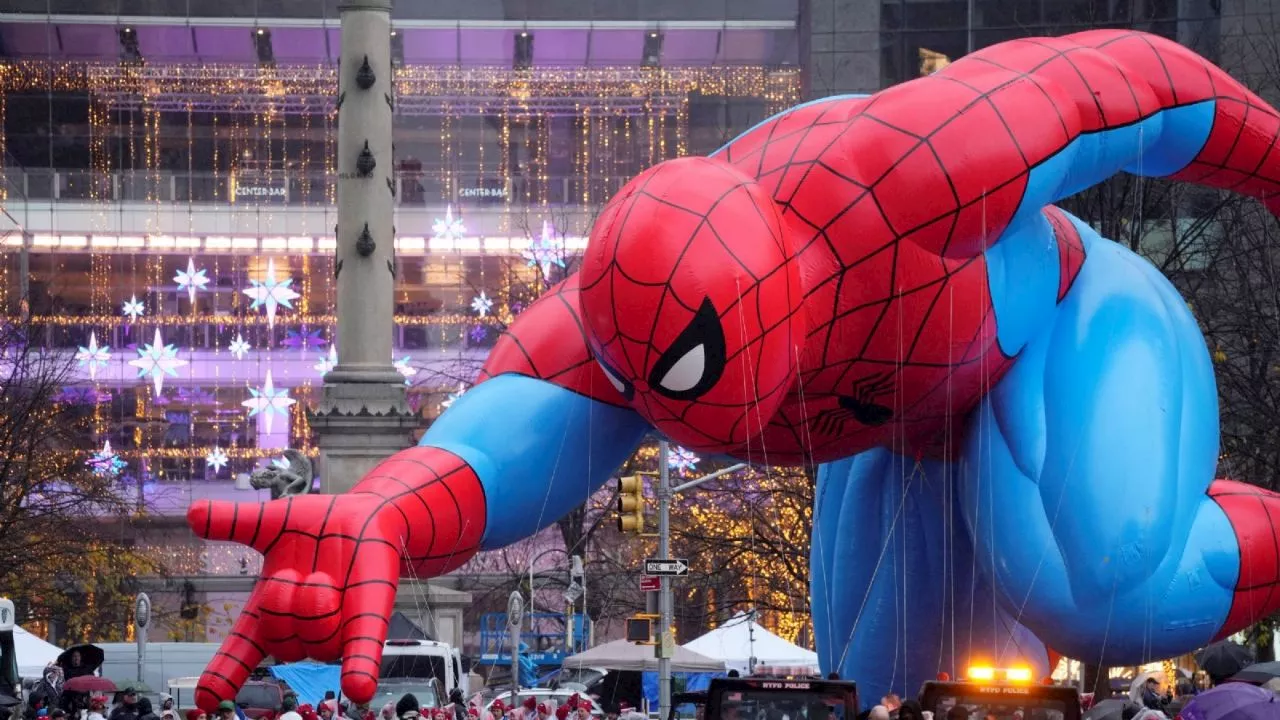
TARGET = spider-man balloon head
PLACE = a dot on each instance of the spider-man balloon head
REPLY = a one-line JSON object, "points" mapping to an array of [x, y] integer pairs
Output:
{"points": [[692, 302]]}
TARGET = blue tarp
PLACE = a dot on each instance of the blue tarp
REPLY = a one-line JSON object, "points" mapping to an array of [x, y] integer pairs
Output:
{"points": [[684, 682], [310, 680]]}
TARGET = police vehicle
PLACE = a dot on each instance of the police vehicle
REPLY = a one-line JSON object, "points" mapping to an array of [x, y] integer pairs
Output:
{"points": [[989, 693]]}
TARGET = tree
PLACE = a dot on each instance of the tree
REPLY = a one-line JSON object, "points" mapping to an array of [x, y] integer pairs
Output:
{"points": [[61, 505]]}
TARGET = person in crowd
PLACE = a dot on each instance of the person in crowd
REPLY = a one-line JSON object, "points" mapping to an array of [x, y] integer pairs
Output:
{"points": [[289, 708], [562, 712], [473, 712], [145, 711], [880, 712], [197, 714], [128, 707], [496, 711], [226, 710], [326, 711], [97, 708], [308, 713], [910, 710], [168, 711], [388, 712], [959, 712], [891, 702], [457, 704], [1151, 697], [407, 708]]}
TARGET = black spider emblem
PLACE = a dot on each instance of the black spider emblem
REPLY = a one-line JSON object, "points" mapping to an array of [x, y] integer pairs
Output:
{"points": [[861, 407]]}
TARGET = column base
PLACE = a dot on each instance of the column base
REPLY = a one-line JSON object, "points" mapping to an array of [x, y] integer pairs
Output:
{"points": [[359, 425]]}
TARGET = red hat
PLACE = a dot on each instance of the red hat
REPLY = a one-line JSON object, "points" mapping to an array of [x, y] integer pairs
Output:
{"points": [[499, 706], [562, 712], [310, 715], [574, 700], [473, 711], [543, 709], [194, 714], [530, 703], [623, 705], [305, 708]]}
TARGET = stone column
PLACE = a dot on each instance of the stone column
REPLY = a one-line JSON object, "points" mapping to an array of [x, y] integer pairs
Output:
{"points": [[363, 416]]}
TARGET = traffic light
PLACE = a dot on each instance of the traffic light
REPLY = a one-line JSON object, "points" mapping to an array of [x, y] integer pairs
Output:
{"points": [[640, 630], [631, 504]]}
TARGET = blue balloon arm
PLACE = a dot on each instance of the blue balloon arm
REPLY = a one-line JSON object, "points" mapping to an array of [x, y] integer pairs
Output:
{"points": [[539, 449]]}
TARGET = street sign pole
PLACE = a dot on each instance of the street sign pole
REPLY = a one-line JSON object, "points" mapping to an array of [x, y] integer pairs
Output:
{"points": [[141, 621], [515, 616], [665, 643]]}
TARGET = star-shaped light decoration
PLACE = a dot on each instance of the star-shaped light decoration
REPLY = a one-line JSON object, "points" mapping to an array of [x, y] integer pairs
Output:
{"points": [[93, 356], [191, 279], [453, 397], [216, 459], [134, 309], [448, 227], [303, 339], [105, 462], [328, 362], [682, 460], [158, 360], [478, 333], [271, 293], [268, 400], [545, 252], [482, 304], [238, 347], [402, 367]]}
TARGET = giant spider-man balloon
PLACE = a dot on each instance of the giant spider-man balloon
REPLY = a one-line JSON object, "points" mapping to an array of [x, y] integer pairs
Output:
{"points": [[1017, 418]]}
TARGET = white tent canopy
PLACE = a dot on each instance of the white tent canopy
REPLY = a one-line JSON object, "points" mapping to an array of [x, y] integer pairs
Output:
{"points": [[33, 653], [740, 639], [623, 655]]}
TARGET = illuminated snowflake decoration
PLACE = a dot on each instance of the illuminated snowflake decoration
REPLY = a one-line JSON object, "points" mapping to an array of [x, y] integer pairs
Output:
{"points": [[158, 360], [216, 459], [134, 309], [93, 356], [328, 362], [271, 293], [482, 304], [545, 252], [478, 333], [681, 460], [402, 366], [303, 339], [269, 401], [238, 347], [453, 397], [448, 227], [191, 280], [105, 462]]}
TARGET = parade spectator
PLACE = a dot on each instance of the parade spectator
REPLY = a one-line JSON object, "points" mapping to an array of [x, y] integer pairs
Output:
{"points": [[496, 711], [289, 708], [145, 711], [388, 712], [407, 707], [457, 704], [128, 707], [891, 702], [880, 712], [226, 710], [167, 709], [97, 706], [197, 714], [959, 712]]}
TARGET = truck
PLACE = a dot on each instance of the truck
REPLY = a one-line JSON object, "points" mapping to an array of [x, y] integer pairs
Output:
{"points": [[1002, 693], [164, 660]]}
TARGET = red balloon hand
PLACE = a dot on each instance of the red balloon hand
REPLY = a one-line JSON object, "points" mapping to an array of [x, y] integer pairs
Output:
{"points": [[313, 599]]}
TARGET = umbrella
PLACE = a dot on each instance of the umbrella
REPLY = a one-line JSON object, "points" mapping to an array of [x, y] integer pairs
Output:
{"points": [[1109, 709], [1218, 703], [8, 700], [1273, 684], [1224, 659], [1257, 674], [1257, 711], [88, 683], [91, 657]]}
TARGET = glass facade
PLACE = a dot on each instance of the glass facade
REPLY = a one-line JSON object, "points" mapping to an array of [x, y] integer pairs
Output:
{"points": [[192, 207]]}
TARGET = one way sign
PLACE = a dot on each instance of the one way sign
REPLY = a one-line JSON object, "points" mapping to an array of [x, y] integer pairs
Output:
{"points": [[670, 567]]}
